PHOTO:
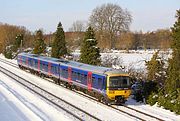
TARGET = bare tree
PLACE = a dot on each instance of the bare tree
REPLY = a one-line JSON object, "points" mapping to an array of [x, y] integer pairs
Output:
{"points": [[110, 18], [77, 26]]}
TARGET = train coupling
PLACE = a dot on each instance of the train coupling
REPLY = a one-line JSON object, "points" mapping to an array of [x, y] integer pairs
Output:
{"points": [[119, 99]]}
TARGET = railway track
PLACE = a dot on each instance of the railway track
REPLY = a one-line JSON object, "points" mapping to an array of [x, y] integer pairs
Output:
{"points": [[121, 108], [73, 111]]}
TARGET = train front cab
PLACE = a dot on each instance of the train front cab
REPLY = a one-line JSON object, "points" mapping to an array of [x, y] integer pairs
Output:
{"points": [[118, 88]]}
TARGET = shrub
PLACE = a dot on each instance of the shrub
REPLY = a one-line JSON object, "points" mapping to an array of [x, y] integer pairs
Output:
{"points": [[152, 99]]}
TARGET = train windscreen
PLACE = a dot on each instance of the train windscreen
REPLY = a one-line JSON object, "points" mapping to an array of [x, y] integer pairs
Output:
{"points": [[119, 82]]}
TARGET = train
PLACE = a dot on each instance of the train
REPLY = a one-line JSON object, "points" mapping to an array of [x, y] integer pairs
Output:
{"points": [[107, 85]]}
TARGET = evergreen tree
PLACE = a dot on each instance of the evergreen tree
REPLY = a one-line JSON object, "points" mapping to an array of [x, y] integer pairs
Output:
{"points": [[90, 53], [18, 42], [8, 53], [169, 97], [59, 44], [155, 68], [39, 45], [173, 79], [155, 75]]}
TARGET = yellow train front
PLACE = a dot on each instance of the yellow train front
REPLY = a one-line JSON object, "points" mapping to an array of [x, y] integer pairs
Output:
{"points": [[118, 87]]}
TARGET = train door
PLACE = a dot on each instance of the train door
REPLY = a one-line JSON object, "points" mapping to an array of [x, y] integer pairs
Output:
{"points": [[69, 75], [20, 60], [89, 80], [49, 68], [27, 61], [38, 65]]}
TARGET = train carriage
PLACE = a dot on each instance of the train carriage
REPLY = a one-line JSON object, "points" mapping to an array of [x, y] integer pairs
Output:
{"points": [[106, 84]]}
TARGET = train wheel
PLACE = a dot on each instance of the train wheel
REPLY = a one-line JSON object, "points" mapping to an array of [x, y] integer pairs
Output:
{"points": [[104, 100]]}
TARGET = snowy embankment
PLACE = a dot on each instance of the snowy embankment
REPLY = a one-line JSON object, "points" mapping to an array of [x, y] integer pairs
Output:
{"points": [[21, 105]]}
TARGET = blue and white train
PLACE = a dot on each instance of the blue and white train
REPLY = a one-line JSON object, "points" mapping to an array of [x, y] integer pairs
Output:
{"points": [[106, 84]]}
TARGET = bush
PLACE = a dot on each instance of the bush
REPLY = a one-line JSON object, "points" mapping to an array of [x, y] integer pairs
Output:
{"points": [[169, 101], [177, 107], [150, 87], [152, 99], [8, 54]]}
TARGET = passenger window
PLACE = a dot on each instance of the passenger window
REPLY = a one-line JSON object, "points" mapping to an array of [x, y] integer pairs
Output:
{"points": [[52, 69], [78, 76], [82, 77], [75, 75], [66, 73], [57, 70], [100, 82], [93, 79], [85, 77]]}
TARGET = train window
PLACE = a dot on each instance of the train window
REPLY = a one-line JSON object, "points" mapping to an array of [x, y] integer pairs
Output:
{"points": [[85, 77], [62, 72], [36, 64], [66, 73], [78, 76], [93, 79], [52, 69], [73, 75], [23, 60], [57, 70], [82, 77], [46, 68], [31, 62], [100, 83], [43, 67]]}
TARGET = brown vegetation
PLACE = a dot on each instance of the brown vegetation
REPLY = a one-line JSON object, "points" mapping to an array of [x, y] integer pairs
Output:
{"points": [[159, 39], [8, 34]]}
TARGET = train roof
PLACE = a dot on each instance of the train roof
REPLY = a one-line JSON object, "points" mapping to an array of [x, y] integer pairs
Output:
{"points": [[78, 65], [42, 57], [96, 69]]}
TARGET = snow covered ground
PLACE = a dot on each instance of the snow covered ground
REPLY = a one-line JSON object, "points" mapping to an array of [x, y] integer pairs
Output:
{"points": [[19, 104], [131, 60], [16, 103]]}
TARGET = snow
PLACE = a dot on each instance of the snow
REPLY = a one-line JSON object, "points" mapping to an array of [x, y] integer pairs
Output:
{"points": [[29, 105], [153, 110], [19, 104], [131, 59], [9, 110]]}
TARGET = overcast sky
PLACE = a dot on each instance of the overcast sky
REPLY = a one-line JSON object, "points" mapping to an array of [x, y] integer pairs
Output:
{"points": [[148, 15]]}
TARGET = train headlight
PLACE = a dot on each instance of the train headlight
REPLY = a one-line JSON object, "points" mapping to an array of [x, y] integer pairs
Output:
{"points": [[111, 92]]}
